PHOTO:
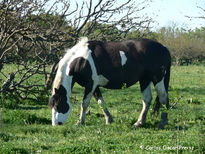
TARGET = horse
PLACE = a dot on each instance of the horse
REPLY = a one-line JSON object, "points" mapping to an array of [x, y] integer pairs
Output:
{"points": [[112, 65]]}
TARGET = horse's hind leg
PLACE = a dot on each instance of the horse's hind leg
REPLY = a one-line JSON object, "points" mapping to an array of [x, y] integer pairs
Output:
{"points": [[147, 98], [163, 99], [156, 106], [101, 102]]}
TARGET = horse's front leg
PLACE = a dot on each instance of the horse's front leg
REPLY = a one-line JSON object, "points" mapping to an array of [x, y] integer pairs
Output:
{"points": [[101, 102], [86, 101]]}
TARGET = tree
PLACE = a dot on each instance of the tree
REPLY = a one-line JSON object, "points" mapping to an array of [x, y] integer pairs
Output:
{"points": [[34, 34], [185, 46], [27, 34]]}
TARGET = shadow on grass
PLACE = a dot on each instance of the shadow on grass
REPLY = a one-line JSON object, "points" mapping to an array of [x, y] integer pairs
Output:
{"points": [[15, 106], [24, 118], [147, 125], [31, 107], [29, 104], [16, 150]]}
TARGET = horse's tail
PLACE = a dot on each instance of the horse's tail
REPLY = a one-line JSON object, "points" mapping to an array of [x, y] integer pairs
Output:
{"points": [[167, 63], [167, 75]]}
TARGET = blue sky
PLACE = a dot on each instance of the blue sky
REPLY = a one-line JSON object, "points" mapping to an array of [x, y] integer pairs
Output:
{"points": [[169, 12]]}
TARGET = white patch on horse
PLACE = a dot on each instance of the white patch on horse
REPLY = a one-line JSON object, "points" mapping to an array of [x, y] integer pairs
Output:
{"points": [[57, 81], [106, 113], [98, 79], [161, 91], [123, 58], [147, 94], [79, 50], [59, 117]]}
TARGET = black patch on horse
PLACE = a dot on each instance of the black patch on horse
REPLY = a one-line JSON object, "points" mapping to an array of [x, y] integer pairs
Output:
{"points": [[59, 100], [81, 71]]}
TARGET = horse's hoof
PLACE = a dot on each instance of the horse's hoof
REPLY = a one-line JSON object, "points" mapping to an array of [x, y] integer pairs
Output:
{"points": [[109, 120], [79, 123], [162, 124], [88, 112], [137, 125]]}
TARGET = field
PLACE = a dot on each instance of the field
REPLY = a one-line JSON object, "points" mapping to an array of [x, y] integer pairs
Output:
{"points": [[26, 127]]}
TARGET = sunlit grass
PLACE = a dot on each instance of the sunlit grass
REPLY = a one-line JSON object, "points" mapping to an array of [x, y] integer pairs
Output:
{"points": [[26, 126]]}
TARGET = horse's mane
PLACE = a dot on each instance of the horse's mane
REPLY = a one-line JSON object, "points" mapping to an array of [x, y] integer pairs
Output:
{"points": [[59, 75]]}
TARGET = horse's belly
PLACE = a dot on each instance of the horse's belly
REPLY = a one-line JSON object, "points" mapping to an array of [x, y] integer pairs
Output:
{"points": [[123, 77], [119, 85], [113, 85], [121, 81]]}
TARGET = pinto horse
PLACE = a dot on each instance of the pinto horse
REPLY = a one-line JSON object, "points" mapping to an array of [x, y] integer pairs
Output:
{"points": [[112, 65]]}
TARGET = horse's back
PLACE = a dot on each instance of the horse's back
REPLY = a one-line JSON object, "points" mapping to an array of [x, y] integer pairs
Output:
{"points": [[141, 52], [153, 53], [128, 61]]}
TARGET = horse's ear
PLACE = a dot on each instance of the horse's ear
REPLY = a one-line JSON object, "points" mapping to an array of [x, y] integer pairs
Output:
{"points": [[56, 90]]}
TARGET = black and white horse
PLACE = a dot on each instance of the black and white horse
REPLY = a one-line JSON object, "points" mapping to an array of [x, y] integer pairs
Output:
{"points": [[112, 65]]}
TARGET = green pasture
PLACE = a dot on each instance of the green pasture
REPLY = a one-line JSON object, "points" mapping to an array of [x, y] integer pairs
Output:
{"points": [[25, 127]]}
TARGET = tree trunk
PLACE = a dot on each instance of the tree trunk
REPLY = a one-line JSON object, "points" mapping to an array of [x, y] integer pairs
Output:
{"points": [[51, 76]]}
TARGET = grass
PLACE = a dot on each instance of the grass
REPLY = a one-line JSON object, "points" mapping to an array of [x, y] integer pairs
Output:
{"points": [[25, 127]]}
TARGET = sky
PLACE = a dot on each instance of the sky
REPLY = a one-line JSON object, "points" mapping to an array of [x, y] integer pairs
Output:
{"points": [[174, 12], [171, 12]]}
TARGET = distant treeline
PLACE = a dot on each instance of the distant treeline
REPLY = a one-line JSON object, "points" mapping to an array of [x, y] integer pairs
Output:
{"points": [[186, 46]]}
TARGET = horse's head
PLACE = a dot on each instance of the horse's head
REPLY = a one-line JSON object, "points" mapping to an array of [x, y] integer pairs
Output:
{"points": [[60, 106]]}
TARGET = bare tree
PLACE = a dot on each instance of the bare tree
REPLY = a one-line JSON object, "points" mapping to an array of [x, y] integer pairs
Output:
{"points": [[34, 34], [201, 13], [26, 34], [203, 10]]}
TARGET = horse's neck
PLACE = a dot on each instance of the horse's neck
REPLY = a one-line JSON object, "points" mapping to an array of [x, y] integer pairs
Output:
{"points": [[67, 83], [66, 79]]}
